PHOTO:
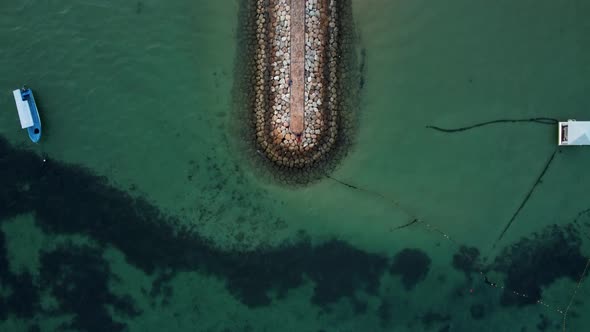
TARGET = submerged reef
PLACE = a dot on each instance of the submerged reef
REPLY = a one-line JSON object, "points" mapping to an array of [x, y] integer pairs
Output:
{"points": [[533, 263], [77, 276], [467, 260], [298, 85], [413, 266], [22, 298], [528, 265], [68, 199]]}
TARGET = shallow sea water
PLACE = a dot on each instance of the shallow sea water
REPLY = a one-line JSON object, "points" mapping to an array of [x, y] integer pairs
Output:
{"points": [[145, 217]]}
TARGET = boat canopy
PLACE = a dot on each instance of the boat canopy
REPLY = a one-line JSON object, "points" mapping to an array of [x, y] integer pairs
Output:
{"points": [[574, 133], [24, 111]]}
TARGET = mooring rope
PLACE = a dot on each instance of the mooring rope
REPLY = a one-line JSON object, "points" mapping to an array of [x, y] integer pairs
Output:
{"points": [[527, 197], [406, 225], [413, 218], [541, 120]]}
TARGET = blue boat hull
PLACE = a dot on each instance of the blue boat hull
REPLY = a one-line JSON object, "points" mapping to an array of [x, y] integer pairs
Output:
{"points": [[35, 130]]}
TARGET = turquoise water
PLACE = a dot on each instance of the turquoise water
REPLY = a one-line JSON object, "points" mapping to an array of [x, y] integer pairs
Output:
{"points": [[146, 217]]}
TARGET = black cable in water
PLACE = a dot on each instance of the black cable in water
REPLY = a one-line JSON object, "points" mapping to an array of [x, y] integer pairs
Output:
{"points": [[527, 197], [546, 121], [383, 197]]}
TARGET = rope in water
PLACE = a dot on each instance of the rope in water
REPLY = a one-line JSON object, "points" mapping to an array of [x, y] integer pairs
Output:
{"points": [[541, 120], [527, 197]]}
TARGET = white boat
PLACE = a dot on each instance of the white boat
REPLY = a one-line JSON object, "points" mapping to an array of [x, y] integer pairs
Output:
{"points": [[28, 113], [573, 132]]}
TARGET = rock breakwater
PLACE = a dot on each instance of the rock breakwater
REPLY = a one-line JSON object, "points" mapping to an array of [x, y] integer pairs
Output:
{"points": [[294, 80], [274, 106]]}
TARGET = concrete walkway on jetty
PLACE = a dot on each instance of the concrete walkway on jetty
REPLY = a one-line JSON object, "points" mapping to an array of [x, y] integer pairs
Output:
{"points": [[297, 102]]}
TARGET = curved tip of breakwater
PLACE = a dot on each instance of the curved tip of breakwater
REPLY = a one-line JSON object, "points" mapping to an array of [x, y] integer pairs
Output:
{"points": [[298, 65]]}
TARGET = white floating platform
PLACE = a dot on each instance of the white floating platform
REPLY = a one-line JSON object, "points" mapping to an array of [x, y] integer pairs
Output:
{"points": [[573, 132], [24, 111]]}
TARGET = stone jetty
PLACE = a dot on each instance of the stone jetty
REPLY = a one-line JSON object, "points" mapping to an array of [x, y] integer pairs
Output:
{"points": [[296, 102]]}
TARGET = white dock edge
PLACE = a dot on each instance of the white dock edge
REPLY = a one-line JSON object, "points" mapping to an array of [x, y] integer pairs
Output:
{"points": [[573, 132], [24, 112]]}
